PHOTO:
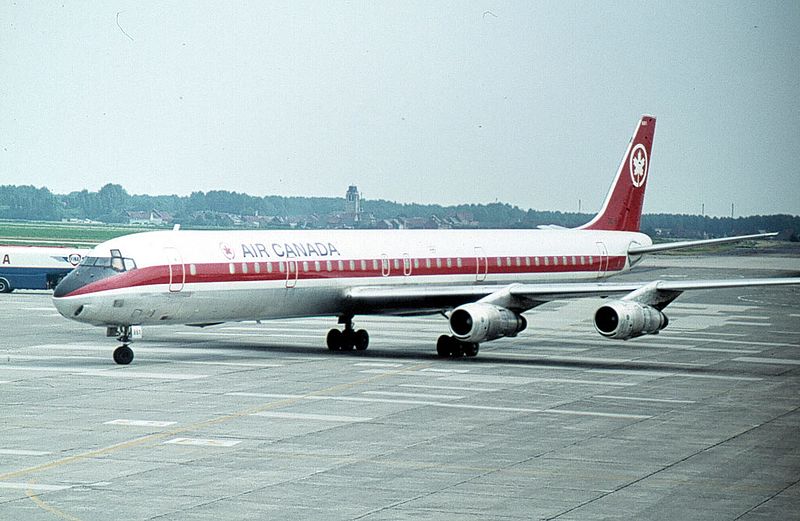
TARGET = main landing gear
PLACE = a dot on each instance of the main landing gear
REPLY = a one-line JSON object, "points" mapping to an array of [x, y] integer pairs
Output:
{"points": [[451, 347], [123, 355], [347, 339]]}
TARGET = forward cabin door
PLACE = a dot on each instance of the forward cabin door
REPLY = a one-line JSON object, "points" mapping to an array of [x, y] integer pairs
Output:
{"points": [[177, 271], [603, 261]]}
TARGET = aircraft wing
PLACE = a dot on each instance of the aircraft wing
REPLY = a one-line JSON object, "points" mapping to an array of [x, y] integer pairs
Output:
{"points": [[407, 300], [403, 300], [432, 299]]}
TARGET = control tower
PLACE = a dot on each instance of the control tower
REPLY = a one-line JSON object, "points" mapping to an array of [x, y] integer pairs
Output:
{"points": [[352, 204]]}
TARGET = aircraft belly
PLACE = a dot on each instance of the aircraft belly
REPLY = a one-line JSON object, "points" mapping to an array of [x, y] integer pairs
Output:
{"points": [[228, 305]]}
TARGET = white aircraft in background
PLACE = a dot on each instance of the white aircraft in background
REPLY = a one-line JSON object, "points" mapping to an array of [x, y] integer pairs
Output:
{"points": [[483, 280], [36, 267]]}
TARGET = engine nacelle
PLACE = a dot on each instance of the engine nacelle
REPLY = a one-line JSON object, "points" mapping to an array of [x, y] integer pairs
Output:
{"points": [[479, 322], [625, 319]]}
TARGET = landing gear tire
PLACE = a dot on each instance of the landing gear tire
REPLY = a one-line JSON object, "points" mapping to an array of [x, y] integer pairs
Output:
{"points": [[361, 339], [451, 347], [334, 340], [471, 349], [443, 346], [448, 347], [123, 355]]}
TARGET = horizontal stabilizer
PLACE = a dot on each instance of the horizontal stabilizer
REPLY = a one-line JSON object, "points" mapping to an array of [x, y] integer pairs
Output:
{"points": [[641, 250], [551, 227]]}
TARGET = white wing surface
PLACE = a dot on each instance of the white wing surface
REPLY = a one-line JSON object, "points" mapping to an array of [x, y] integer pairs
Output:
{"points": [[520, 297]]}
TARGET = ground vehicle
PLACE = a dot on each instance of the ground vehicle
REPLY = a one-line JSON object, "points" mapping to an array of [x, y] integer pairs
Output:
{"points": [[36, 267]]}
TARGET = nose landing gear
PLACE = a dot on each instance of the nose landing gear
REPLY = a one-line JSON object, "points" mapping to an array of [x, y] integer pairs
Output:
{"points": [[123, 355]]}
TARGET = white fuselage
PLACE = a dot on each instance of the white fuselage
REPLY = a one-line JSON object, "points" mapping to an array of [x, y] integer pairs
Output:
{"points": [[199, 277]]}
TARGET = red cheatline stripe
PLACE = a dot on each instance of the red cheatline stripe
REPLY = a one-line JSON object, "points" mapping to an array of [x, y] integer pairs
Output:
{"points": [[349, 269]]}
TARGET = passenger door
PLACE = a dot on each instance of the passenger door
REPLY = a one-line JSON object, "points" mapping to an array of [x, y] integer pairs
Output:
{"points": [[482, 264], [603, 264], [177, 271], [291, 273]]}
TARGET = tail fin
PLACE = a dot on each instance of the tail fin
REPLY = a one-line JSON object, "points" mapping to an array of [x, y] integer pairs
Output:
{"points": [[622, 209]]}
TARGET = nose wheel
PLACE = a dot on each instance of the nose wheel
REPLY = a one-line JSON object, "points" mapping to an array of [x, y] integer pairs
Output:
{"points": [[123, 355], [348, 338]]}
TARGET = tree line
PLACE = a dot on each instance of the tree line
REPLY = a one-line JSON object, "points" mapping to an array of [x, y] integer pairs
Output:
{"points": [[112, 204]]}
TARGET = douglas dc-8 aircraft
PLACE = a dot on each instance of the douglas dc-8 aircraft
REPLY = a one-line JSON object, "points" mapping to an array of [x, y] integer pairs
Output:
{"points": [[482, 280]]}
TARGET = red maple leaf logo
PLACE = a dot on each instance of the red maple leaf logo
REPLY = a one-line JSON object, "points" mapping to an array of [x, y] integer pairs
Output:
{"points": [[227, 250]]}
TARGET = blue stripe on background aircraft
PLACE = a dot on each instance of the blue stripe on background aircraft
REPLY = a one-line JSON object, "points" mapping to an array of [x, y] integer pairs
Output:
{"points": [[482, 280]]}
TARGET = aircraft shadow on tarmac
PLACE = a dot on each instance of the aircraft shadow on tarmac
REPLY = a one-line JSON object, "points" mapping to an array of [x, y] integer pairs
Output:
{"points": [[419, 355]]}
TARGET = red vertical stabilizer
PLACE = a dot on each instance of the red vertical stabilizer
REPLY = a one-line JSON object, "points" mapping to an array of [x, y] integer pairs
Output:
{"points": [[622, 209]]}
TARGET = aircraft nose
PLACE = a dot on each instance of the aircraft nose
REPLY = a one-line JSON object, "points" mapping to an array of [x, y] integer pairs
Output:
{"points": [[67, 285], [76, 279], [67, 308]]}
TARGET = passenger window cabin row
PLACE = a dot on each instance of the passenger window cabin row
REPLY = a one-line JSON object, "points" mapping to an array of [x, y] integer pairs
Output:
{"points": [[382, 265]]}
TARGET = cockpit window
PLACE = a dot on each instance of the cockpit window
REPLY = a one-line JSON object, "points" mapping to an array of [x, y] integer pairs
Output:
{"points": [[116, 263], [103, 262]]}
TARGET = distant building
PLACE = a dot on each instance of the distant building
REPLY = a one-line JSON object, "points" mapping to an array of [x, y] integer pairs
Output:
{"points": [[151, 218], [352, 203]]}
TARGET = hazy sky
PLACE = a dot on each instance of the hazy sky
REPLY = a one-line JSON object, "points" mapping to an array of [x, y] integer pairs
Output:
{"points": [[530, 103]]}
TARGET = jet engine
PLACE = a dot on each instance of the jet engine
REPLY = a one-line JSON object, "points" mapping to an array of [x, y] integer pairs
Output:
{"points": [[480, 322], [626, 319]]}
